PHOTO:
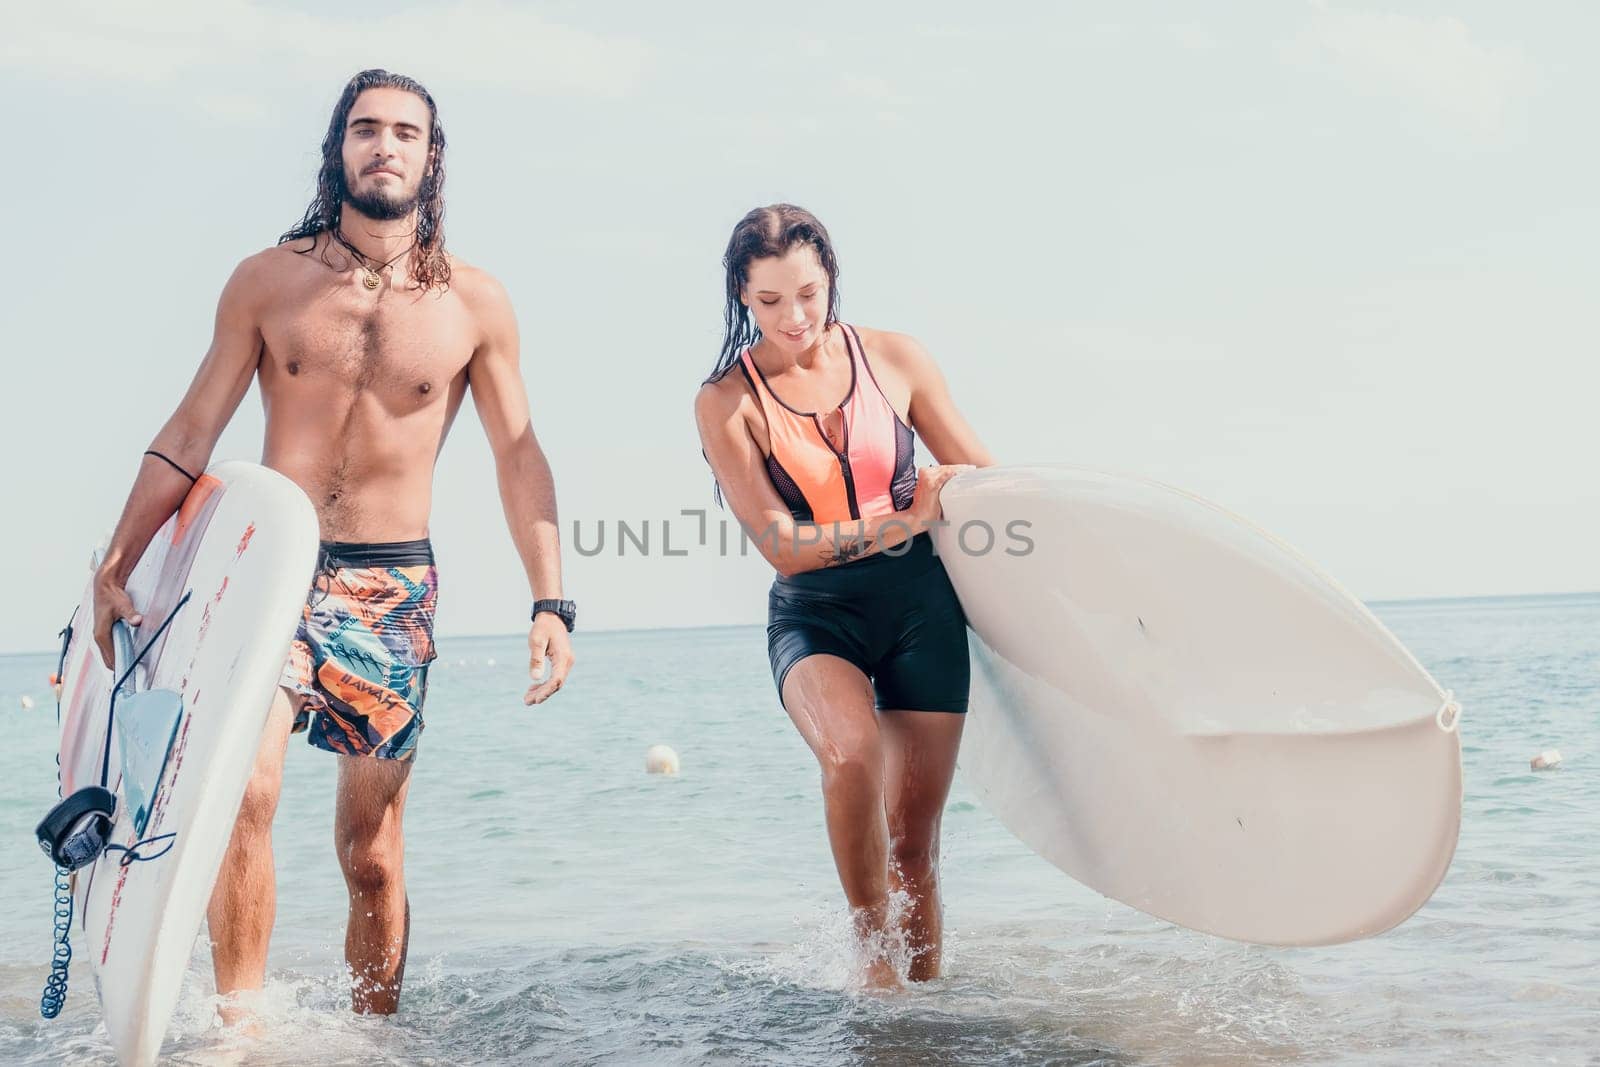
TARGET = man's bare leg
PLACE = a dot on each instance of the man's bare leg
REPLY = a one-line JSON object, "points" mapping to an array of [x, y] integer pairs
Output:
{"points": [[371, 845], [244, 901]]}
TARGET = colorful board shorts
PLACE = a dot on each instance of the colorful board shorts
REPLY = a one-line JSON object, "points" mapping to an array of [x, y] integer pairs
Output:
{"points": [[359, 662]]}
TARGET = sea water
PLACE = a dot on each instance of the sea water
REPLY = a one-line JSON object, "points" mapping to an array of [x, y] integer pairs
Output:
{"points": [[569, 908]]}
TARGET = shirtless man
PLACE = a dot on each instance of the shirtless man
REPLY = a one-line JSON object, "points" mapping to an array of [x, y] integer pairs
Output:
{"points": [[365, 335]]}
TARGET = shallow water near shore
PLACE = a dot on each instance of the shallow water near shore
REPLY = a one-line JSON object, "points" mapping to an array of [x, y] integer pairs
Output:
{"points": [[569, 908]]}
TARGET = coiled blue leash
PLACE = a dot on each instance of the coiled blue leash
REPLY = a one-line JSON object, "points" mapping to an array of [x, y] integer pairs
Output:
{"points": [[55, 986], [54, 996]]}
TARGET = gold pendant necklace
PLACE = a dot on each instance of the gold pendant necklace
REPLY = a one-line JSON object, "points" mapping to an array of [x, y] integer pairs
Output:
{"points": [[371, 277]]}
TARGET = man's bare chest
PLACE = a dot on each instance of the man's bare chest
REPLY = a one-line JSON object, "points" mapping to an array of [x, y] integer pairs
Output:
{"points": [[341, 338]]}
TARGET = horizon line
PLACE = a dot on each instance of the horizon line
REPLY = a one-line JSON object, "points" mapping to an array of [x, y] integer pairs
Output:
{"points": [[614, 630]]}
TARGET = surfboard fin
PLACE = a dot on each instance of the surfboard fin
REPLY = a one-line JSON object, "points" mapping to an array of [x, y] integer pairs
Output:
{"points": [[147, 724]]}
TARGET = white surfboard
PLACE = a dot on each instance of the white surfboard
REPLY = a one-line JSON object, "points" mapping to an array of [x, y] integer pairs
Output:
{"points": [[1184, 714], [242, 549]]}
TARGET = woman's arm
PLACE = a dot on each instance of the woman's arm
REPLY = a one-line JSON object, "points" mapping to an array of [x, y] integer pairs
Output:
{"points": [[793, 547]]}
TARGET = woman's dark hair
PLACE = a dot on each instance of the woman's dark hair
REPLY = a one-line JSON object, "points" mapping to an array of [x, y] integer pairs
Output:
{"points": [[767, 231], [429, 264]]}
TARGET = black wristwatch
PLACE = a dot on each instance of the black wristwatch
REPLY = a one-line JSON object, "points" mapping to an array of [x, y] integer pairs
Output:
{"points": [[566, 610]]}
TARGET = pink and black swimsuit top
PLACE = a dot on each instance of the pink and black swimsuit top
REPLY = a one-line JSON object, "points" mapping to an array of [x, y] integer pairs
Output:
{"points": [[873, 473]]}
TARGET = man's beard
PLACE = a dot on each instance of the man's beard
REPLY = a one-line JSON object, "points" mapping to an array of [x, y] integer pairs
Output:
{"points": [[380, 205]]}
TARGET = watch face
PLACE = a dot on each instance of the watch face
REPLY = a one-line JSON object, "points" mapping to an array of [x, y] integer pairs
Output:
{"points": [[565, 610]]}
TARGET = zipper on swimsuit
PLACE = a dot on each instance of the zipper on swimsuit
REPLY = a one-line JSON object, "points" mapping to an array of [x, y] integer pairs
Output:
{"points": [[843, 456]]}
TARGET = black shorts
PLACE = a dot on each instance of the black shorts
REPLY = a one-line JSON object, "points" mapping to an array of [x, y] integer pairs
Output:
{"points": [[895, 617]]}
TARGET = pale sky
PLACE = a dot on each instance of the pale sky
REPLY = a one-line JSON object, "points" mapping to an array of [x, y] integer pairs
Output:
{"points": [[1330, 265]]}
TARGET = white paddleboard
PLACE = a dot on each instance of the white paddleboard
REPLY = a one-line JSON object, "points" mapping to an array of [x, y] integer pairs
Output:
{"points": [[1184, 714], [243, 549]]}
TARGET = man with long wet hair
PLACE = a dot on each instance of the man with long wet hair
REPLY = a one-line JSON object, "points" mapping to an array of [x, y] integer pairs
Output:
{"points": [[365, 335]]}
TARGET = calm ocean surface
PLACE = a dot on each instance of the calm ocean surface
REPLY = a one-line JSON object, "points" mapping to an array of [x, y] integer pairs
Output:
{"points": [[568, 908]]}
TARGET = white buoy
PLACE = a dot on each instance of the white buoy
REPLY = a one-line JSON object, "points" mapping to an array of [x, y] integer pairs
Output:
{"points": [[489, 662], [660, 759], [1547, 760], [26, 702]]}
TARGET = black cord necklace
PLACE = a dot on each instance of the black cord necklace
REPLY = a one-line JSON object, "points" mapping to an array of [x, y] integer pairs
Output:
{"points": [[371, 276]]}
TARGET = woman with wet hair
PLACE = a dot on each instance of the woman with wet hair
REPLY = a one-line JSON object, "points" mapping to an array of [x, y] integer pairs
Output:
{"points": [[809, 425]]}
